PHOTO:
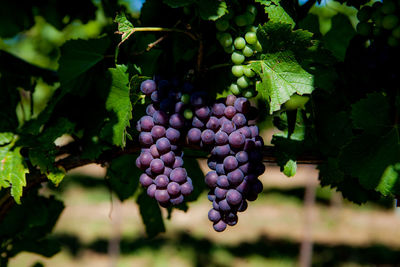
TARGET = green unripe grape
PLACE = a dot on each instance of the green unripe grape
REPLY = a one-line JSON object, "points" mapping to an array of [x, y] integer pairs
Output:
{"points": [[251, 37], [185, 98], [226, 40], [364, 14], [389, 22], [243, 82], [396, 33], [249, 93], [237, 58], [241, 20], [235, 89], [247, 51], [230, 15], [251, 28], [248, 72], [296, 101], [393, 42], [258, 47], [252, 9], [237, 70], [95, 139], [388, 8], [188, 114], [229, 49], [364, 28], [250, 18], [222, 25], [376, 31], [239, 43]]}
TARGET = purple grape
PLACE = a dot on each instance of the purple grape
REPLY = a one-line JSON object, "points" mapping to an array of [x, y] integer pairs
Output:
{"points": [[242, 105], [233, 197], [197, 123], [236, 139], [218, 109], [162, 196], [239, 120], [138, 164], [145, 180], [259, 141], [219, 168], [150, 110], [235, 177], [145, 159], [157, 166], [148, 86], [243, 206], [178, 162], [230, 163], [255, 156], [257, 187], [250, 177], [173, 189], [230, 100], [168, 158], [259, 169], [212, 164], [177, 121], [167, 171], [194, 136], [215, 205], [178, 175], [228, 127], [161, 181], [220, 193], [172, 135], [160, 117], [254, 131], [197, 99], [222, 181], [179, 106], [244, 187], [242, 157], [221, 138], [213, 123], [229, 112], [155, 97], [211, 179], [177, 200], [224, 205], [186, 188], [211, 196], [158, 131], [154, 151], [219, 226], [149, 172], [163, 145], [145, 139], [249, 145], [146, 123], [203, 112], [251, 196], [231, 219], [151, 190], [207, 136], [214, 215], [222, 151], [245, 131]]}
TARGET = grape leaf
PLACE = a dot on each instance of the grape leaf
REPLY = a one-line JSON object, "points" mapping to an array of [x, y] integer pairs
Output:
{"points": [[124, 176], [12, 171], [6, 138], [276, 13], [212, 9], [371, 114], [151, 215], [338, 38], [390, 182], [119, 104], [290, 168], [281, 76], [125, 27], [330, 173], [178, 3]]}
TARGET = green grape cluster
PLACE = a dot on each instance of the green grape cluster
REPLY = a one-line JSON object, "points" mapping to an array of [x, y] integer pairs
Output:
{"points": [[237, 35], [381, 20]]}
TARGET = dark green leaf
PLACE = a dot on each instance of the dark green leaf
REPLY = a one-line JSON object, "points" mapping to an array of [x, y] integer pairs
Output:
{"points": [[151, 215], [275, 12], [212, 9], [178, 3]]}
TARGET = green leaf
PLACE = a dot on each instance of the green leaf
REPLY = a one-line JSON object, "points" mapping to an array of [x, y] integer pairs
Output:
{"points": [[389, 182], [78, 56], [6, 138], [12, 171], [151, 215], [56, 175], [119, 104], [281, 76], [124, 176], [338, 38], [125, 27], [197, 176], [290, 168], [330, 173], [178, 3], [371, 114], [212, 9], [276, 13]]}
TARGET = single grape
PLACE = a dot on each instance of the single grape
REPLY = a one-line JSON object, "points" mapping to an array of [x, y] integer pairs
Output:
{"points": [[229, 112], [197, 99], [237, 58], [257, 187], [221, 138], [222, 24], [241, 20], [239, 120], [186, 188], [215, 204], [247, 51], [155, 97], [160, 117], [243, 187], [242, 105], [178, 162], [211, 179], [219, 168], [194, 135], [254, 131], [218, 109], [231, 219], [145, 180], [197, 123], [248, 72], [230, 100], [243, 82], [161, 181], [223, 151], [219, 226], [151, 190], [249, 17], [145, 139], [162, 196], [158, 131], [145, 159], [389, 22], [185, 98], [235, 177], [203, 112], [228, 127], [188, 114], [178, 175], [243, 206], [225, 39], [167, 171], [154, 152], [222, 181], [237, 70], [172, 135], [146, 123], [236, 139], [229, 49], [235, 89], [233, 197], [148, 86], [224, 205], [230, 163], [168, 158], [214, 215], [239, 43], [220, 193], [163, 145], [213, 123], [177, 121], [251, 37], [157, 166], [207, 136], [388, 7], [211, 196], [242, 157], [177, 200]]}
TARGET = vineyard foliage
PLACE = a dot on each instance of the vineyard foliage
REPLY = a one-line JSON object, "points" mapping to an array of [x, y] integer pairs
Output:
{"points": [[346, 120]]}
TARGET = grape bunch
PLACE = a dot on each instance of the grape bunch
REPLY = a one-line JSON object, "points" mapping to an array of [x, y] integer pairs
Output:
{"points": [[245, 45], [236, 158], [160, 138], [381, 20]]}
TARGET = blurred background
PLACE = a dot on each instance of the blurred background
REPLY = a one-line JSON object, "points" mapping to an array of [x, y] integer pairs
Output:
{"points": [[293, 219]]}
